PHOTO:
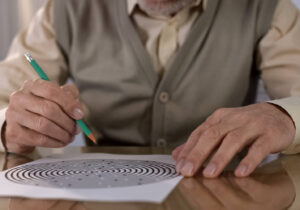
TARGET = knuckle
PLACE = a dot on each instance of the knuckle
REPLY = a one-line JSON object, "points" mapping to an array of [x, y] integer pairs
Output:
{"points": [[258, 148], [234, 137], [204, 127], [211, 119], [50, 92], [220, 111], [42, 140], [27, 85], [194, 134], [242, 117], [9, 114], [71, 90], [192, 159], [199, 152], [41, 124], [212, 133], [76, 91], [48, 108], [175, 153], [194, 156], [10, 132], [42, 82], [14, 97], [273, 131], [38, 83], [183, 155], [50, 89]]}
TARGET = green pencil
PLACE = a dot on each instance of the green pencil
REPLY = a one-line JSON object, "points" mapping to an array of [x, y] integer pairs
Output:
{"points": [[44, 76]]}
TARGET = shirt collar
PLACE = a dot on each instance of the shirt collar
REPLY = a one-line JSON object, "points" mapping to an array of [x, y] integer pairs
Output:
{"points": [[131, 4]]}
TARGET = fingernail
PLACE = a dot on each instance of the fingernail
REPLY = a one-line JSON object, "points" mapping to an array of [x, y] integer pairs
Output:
{"points": [[210, 169], [241, 170], [187, 169], [179, 166], [78, 113]]}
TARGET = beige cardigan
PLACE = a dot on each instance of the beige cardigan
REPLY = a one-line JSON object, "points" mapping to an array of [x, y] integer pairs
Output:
{"points": [[41, 35]]}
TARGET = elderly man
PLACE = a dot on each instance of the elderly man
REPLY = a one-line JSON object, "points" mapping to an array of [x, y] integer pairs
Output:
{"points": [[159, 73]]}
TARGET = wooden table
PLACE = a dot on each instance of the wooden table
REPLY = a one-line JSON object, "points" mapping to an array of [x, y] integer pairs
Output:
{"points": [[273, 186]]}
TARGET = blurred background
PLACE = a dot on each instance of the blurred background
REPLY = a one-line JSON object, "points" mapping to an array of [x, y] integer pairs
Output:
{"points": [[17, 14]]}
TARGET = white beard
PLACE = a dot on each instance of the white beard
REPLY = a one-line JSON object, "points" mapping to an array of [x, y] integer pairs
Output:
{"points": [[163, 7]]}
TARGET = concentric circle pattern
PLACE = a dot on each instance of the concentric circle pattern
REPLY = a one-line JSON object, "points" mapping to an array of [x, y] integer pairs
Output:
{"points": [[92, 173]]}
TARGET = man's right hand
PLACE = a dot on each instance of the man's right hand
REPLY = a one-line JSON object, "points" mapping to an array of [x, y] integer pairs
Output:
{"points": [[41, 114]]}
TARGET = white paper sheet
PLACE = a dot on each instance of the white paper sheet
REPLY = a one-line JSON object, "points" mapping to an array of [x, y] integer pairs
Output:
{"points": [[93, 177]]}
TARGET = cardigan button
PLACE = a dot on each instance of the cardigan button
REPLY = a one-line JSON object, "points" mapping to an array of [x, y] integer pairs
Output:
{"points": [[161, 143], [164, 97]]}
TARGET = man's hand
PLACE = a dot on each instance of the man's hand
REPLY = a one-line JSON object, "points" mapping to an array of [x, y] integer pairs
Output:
{"points": [[265, 128], [41, 114]]}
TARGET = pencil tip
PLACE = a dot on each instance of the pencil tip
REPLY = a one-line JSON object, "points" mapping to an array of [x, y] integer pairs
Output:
{"points": [[92, 137]]}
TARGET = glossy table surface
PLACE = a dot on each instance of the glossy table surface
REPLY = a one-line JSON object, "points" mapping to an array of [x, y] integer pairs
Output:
{"points": [[273, 186]]}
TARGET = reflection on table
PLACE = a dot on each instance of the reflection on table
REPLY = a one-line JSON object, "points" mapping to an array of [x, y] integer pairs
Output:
{"points": [[273, 186]]}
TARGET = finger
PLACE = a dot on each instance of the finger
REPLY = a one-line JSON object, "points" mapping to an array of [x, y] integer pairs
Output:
{"points": [[71, 89], [218, 116], [54, 93], [214, 119], [49, 110], [257, 152], [189, 145], [209, 139], [234, 142], [176, 151], [41, 125], [27, 137], [194, 137]]}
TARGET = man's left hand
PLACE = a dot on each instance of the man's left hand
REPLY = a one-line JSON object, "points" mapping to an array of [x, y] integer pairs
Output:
{"points": [[265, 128]]}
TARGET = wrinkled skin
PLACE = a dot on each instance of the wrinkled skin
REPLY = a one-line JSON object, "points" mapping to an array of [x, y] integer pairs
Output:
{"points": [[41, 114], [264, 128]]}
